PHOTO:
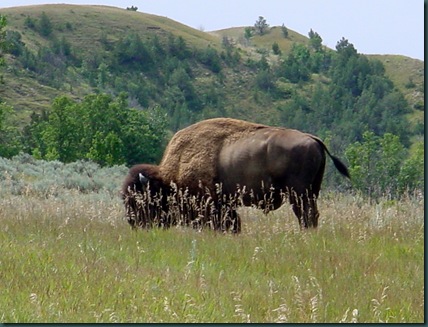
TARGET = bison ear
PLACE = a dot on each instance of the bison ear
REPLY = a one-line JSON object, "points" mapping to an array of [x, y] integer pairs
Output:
{"points": [[143, 179]]}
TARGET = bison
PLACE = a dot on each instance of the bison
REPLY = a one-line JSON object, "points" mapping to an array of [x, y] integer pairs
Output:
{"points": [[218, 164]]}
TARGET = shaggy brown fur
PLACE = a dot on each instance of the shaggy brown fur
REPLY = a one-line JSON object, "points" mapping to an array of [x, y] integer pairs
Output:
{"points": [[135, 195], [132, 181], [192, 154]]}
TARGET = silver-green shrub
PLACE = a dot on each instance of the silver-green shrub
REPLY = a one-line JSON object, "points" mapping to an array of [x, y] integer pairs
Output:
{"points": [[24, 175]]}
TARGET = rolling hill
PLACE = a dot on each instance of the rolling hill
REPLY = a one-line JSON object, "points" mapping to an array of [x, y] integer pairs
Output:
{"points": [[92, 32], [87, 26]]}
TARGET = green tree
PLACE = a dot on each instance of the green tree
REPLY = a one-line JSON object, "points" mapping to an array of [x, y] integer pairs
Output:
{"points": [[211, 59], [30, 22], [177, 47], [296, 67], [101, 128], [362, 159], [275, 48], [63, 132], [181, 79], [133, 53], [284, 31], [375, 164], [14, 43], [44, 26], [248, 34], [106, 149], [261, 26], [10, 144], [411, 176], [392, 154], [144, 135], [264, 80], [315, 41], [3, 43]]}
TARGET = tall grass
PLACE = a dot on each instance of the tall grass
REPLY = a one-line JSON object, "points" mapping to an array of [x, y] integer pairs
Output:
{"points": [[70, 256]]}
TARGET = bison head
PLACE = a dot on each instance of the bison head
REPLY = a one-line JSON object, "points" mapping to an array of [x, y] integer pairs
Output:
{"points": [[144, 195]]}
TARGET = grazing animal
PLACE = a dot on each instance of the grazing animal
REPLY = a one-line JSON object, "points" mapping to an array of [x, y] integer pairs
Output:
{"points": [[227, 162]]}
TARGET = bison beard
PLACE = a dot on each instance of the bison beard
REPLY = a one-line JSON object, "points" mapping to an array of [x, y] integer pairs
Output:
{"points": [[210, 168]]}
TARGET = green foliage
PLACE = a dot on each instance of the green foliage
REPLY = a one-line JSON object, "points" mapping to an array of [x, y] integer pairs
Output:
{"points": [[132, 53], [30, 22], [10, 144], [211, 59], [357, 97], [231, 55], [315, 41], [3, 42], [50, 63], [158, 71], [284, 31], [44, 26], [296, 67], [248, 33], [100, 128], [275, 48], [378, 166], [14, 43], [261, 26], [412, 171]]}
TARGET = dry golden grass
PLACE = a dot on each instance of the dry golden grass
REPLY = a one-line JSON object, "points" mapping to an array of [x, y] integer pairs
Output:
{"points": [[73, 258]]}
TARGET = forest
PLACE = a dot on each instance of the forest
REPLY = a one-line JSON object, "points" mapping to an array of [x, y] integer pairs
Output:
{"points": [[142, 90]]}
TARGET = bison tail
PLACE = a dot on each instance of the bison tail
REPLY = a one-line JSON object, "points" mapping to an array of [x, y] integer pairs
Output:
{"points": [[340, 166], [337, 163]]}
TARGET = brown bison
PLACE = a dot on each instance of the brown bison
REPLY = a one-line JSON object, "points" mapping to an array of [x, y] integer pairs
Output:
{"points": [[218, 164]]}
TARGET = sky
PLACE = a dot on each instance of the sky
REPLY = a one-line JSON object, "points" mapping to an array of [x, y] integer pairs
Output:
{"points": [[372, 26]]}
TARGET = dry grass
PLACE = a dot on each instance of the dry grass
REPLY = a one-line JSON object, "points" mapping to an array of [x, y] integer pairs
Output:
{"points": [[72, 257]]}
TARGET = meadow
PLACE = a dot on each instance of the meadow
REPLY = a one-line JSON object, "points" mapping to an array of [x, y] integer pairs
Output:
{"points": [[68, 255]]}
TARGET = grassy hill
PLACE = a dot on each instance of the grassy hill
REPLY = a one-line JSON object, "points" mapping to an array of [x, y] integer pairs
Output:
{"points": [[89, 23], [408, 76], [90, 30], [81, 26], [258, 42], [84, 27]]}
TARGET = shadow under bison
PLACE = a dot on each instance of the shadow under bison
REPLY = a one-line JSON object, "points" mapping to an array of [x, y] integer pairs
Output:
{"points": [[210, 168]]}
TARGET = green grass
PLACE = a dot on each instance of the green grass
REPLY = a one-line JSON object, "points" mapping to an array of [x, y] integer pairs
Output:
{"points": [[74, 259]]}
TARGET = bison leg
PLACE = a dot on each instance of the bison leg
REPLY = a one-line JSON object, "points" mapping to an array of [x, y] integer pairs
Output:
{"points": [[305, 209], [231, 221], [226, 217]]}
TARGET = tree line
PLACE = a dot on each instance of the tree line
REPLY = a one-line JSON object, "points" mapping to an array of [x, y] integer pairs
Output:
{"points": [[100, 128]]}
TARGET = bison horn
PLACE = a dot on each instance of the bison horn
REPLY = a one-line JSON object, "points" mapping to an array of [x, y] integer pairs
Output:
{"points": [[143, 179]]}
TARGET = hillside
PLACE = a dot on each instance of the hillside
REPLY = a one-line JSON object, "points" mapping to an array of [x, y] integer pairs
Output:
{"points": [[80, 25], [73, 50], [408, 76], [258, 42], [399, 69]]}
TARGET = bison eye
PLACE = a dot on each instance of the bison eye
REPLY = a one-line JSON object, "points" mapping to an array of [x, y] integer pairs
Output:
{"points": [[143, 179]]}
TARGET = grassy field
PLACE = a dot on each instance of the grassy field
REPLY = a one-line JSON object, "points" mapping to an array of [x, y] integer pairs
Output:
{"points": [[71, 257]]}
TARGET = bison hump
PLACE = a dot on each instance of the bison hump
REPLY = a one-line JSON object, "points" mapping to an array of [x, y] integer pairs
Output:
{"points": [[192, 155]]}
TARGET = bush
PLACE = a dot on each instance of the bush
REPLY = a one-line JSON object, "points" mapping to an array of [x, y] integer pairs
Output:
{"points": [[24, 175], [378, 166]]}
